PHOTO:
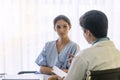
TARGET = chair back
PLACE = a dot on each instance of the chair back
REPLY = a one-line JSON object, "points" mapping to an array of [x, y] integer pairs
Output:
{"points": [[109, 74]]}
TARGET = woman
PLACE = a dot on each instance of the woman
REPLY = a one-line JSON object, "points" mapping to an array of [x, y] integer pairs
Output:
{"points": [[56, 53]]}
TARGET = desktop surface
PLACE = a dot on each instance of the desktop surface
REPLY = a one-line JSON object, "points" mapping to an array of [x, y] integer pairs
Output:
{"points": [[20, 79], [23, 77]]}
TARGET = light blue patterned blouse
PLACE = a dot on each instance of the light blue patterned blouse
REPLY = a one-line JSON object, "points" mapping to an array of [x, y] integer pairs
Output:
{"points": [[50, 57]]}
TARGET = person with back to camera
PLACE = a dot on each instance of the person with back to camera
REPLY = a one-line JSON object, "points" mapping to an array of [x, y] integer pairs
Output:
{"points": [[101, 55], [56, 53]]}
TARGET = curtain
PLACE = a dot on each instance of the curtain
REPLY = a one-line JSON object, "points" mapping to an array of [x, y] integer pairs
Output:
{"points": [[26, 25]]}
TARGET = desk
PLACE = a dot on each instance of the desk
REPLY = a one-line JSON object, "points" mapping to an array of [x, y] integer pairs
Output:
{"points": [[25, 77]]}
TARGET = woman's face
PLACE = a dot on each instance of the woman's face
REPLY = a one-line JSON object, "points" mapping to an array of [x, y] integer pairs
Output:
{"points": [[62, 28]]}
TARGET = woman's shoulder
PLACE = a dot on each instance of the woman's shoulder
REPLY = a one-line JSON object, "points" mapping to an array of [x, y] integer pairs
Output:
{"points": [[73, 43], [50, 43]]}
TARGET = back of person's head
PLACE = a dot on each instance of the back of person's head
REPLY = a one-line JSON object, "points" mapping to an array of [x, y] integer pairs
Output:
{"points": [[62, 17], [95, 21]]}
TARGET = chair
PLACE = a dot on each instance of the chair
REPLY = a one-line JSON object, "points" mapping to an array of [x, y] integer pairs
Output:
{"points": [[109, 74], [27, 72]]}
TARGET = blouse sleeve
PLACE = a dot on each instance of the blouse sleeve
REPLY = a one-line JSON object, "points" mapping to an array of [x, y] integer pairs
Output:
{"points": [[75, 49], [41, 59]]}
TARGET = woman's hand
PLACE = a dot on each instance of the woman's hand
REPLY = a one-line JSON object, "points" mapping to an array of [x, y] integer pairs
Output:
{"points": [[46, 70], [53, 77]]}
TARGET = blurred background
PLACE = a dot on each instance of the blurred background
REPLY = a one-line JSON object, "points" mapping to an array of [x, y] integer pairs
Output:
{"points": [[25, 26]]}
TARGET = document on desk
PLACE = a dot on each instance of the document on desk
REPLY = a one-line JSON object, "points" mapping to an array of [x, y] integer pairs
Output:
{"points": [[59, 72]]}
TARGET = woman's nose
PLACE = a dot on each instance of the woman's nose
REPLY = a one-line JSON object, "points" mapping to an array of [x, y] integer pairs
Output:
{"points": [[62, 29]]}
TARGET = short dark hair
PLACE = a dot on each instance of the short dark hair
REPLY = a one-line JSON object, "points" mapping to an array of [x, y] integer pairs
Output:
{"points": [[95, 21], [62, 17]]}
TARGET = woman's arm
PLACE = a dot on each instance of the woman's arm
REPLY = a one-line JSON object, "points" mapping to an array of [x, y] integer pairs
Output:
{"points": [[53, 77], [46, 70]]}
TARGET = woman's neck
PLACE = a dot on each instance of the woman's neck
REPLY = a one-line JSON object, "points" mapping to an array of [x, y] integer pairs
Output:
{"points": [[61, 43], [63, 40]]}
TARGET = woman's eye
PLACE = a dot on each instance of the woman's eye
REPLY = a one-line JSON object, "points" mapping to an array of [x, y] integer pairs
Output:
{"points": [[58, 26], [65, 26]]}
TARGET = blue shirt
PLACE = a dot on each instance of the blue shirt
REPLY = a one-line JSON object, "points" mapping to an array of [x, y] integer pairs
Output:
{"points": [[50, 57]]}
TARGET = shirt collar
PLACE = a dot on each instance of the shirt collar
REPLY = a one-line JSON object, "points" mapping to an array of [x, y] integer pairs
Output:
{"points": [[100, 39]]}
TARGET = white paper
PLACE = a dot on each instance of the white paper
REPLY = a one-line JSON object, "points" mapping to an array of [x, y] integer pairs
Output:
{"points": [[59, 72]]}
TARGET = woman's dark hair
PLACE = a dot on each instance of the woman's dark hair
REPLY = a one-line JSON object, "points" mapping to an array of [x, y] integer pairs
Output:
{"points": [[95, 21], [62, 17]]}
